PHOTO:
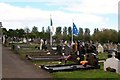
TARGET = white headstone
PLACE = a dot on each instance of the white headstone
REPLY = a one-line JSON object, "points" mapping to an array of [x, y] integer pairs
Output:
{"points": [[100, 48], [24, 40], [112, 63], [29, 39], [41, 43], [3, 39]]}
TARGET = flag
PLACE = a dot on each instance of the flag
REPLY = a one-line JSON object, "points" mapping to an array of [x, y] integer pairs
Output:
{"points": [[75, 30], [51, 23]]}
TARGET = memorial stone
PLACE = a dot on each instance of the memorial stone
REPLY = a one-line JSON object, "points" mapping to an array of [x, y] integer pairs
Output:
{"points": [[112, 64], [100, 48]]}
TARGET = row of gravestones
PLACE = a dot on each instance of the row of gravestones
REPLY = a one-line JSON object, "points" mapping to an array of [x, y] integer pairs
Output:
{"points": [[107, 47], [100, 48]]}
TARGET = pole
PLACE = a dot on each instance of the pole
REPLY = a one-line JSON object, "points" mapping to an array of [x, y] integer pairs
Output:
{"points": [[72, 37], [50, 31], [50, 38], [72, 33]]}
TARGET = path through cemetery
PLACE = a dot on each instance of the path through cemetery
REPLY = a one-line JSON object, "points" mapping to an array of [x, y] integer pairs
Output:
{"points": [[14, 67]]}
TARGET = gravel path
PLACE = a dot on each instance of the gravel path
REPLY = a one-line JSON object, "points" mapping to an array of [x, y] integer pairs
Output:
{"points": [[14, 67]]}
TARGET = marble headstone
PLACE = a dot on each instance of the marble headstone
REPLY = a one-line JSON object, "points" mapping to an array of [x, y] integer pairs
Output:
{"points": [[100, 48], [112, 63]]}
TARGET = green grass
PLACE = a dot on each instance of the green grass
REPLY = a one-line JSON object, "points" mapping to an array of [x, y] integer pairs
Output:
{"points": [[38, 63], [97, 74], [102, 56], [85, 74]]}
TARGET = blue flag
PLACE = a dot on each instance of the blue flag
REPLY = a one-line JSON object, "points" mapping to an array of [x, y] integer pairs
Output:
{"points": [[75, 30]]}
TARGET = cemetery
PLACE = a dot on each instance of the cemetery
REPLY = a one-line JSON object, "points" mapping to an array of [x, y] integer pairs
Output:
{"points": [[65, 59], [56, 64]]}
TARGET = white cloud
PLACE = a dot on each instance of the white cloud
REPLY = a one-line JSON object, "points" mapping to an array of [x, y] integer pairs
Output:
{"points": [[95, 6], [17, 17]]}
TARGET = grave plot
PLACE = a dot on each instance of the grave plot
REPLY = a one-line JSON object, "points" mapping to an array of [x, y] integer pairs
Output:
{"points": [[91, 63], [69, 67], [45, 58]]}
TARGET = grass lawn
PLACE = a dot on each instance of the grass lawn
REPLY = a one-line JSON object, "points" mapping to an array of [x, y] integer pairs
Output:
{"points": [[38, 63], [102, 56], [85, 74], [97, 74]]}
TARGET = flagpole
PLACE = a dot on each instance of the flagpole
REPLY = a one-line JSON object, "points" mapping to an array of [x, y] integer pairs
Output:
{"points": [[72, 33], [50, 32], [72, 37]]}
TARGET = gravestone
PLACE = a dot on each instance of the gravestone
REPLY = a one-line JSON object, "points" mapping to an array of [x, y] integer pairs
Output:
{"points": [[3, 40], [41, 44], [105, 47], [24, 40], [112, 64], [59, 49], [100, 48], [118, 47]]}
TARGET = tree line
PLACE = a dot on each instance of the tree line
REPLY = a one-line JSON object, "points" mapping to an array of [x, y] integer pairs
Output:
{"points": [[103, 36]]}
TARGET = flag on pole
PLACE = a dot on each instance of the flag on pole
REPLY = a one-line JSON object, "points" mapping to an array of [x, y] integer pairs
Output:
{"points": [[51, 23], [51, 30], [75, 30]]}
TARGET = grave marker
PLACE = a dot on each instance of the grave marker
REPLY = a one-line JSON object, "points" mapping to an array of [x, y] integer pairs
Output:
{"points": [[112, 64], [100, 48]]}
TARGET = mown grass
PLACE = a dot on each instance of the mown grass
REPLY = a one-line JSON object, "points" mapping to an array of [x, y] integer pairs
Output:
{"points": [[38, 63], [102, 56], [85, 74], [97, 74]]}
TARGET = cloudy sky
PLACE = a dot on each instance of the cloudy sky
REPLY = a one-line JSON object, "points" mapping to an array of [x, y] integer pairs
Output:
{"points": [[84, 13]]}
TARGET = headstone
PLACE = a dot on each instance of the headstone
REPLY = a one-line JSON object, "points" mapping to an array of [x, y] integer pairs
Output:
{"points": [[59, 49], [110, 46], [118, 47], [112, 64], [67, 49], [30, 40], [41, 44], [24, 40], [100, 48], [115, 47], [3, 39], [105, 47]]}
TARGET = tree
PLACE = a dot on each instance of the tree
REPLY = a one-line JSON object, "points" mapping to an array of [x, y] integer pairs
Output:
{"points": [[87, 34], [65, 31], [4, 31], [119, 36], [35, 32], [105, 36], [58, 35], [43, 31], [34, 29], [96, 30], [21, 32], [58, 31], [11, 33], [48, 30], [80, 36], [27, 30], [69, 30]]}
